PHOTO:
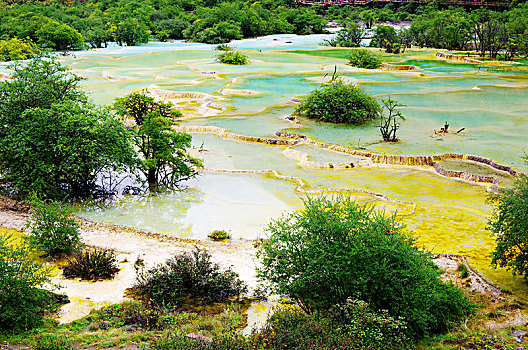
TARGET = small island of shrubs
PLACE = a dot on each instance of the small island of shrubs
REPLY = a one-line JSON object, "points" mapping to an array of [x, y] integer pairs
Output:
{"points": [[231, 56], [339, 102]]}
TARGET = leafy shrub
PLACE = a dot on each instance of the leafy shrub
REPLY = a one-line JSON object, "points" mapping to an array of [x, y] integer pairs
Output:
{"points": [[363, 58], [92, 264], [53, 230], [464, 273], [373, 330], [23, 303], [188, 275], [339, 102], [178, 342], [219, 235], [128, 313], [17, 49], [232, 57], [509, 223], [336, 249], [294, 329], [51, 342]]}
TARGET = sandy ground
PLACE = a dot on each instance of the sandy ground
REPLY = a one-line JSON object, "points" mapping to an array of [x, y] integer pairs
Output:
{"points": [[130, 244]]}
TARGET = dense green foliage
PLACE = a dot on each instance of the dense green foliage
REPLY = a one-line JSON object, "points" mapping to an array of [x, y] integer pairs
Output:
{"points": [[333, 250], [187, 276], [339, 102], [132, 22], [363, 58], [52, 141], [53, 230], [92, 264], [232, 57], [165, 160], [489, 32], [23, 303], [350, 36], [349, 326], [509, 223], [17, 49]]}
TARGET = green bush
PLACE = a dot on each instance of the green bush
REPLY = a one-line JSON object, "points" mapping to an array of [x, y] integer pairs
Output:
{"points": [[294, 329], [363, 58], [232, 57], [178, 342], [372, 330], [336, 249], [17, 49], [92, 264], [128, 313], [339, 102], [23, 303], [53, 230], [509, 223], [219, 235], [51, 342], [188, 276]]}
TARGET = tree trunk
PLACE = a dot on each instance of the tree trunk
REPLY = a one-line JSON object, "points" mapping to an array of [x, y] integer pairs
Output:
{"points": [[151, 176]]}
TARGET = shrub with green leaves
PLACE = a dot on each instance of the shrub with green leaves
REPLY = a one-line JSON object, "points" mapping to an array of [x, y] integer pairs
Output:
{"points": [[372, 330], [51, 342], [339, 102], [219, 235], [18, 49], [53, 229], [179, 342], [23, 303], [509, 223], [92, 264], [188, 276], [334, 249], [363, 58], [232, 57]]}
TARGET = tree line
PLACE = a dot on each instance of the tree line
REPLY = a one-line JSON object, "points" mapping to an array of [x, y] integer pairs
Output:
{"points": [[497, 34], [132, 22]]}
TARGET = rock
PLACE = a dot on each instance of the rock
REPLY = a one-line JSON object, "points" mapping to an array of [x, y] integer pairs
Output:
{"points": [[518, 335]]}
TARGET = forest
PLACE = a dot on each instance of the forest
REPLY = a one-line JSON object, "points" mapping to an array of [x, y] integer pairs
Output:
{"points": [[27, 28]]}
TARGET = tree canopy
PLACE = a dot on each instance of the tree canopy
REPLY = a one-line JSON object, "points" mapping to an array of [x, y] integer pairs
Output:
{"points": [[53, 141]]}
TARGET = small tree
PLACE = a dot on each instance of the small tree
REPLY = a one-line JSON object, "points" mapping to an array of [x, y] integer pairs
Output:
{"points": [[350, 36], [363, 58], [509, 223], [165, 160], [53, 230], [23, 303], [336, 249], [388, 123], [339, 102]]}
